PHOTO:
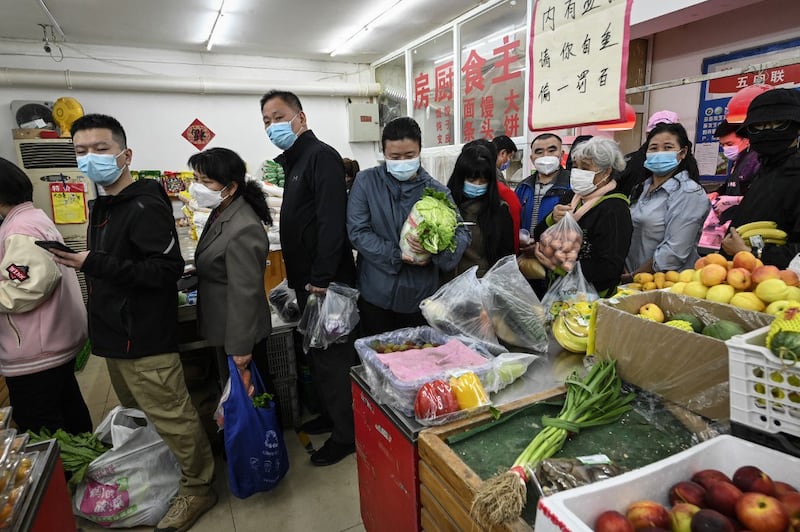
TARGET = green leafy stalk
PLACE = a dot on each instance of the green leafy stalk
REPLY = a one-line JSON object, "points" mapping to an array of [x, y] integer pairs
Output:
{"points": [[595, 400], [262, 400]]}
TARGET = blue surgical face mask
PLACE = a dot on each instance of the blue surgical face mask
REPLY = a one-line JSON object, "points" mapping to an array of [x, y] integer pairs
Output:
{"points": [[281, 134], [403, 169], [504, 166], [472, 190], [661, 162], [100, 168]]}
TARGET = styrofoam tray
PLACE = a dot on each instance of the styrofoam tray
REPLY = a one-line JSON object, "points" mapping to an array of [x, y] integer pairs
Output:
{"points": [[765, 391], [577, 509]]}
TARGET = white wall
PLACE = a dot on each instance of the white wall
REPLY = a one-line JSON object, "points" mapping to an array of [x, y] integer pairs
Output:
{"points": [[155, 121], [679, 52]]}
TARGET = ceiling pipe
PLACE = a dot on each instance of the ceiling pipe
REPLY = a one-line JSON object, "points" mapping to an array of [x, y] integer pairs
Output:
{"points": [[74, 80]]}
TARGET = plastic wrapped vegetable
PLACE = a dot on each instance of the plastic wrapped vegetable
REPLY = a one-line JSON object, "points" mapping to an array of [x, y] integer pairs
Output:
{"points": [[284, 301], [433, 221], [559, 245], [469, 391], [339, 313], [506, 368]]}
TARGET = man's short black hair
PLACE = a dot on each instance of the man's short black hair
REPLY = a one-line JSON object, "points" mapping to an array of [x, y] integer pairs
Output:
{"points": [[15, 187], [98, 121], [401, 128], [545, 136], [290, 98], [726, 128], [503, 142]]}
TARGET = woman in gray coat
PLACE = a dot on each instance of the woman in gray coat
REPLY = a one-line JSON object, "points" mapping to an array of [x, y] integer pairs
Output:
{"points": [[232, 309]]}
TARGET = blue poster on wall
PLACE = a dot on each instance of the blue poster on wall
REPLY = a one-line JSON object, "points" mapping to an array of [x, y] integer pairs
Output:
{"points": [[715, 94]]}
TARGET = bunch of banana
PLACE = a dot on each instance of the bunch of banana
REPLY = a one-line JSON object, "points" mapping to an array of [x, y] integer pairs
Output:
{"points": [[571, 327], [766, 229]]}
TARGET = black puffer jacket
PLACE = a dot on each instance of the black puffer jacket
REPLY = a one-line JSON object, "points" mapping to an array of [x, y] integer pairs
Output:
{"points": [[132, 269]]}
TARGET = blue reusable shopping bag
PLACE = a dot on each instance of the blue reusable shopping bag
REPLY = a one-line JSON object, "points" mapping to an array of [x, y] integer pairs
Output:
{"points": [[257, 457]]}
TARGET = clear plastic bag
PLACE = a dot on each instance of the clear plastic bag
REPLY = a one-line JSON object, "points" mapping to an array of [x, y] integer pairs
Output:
{"points": [[568, 289], [444, 400], [517, 315], [507, 368], [559, 245], [284, 300], [456, 308], [329, 318]]}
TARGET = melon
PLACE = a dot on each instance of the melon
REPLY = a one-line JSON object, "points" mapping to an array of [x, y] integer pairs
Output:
{"points": [[697, 325], [723, 330]]}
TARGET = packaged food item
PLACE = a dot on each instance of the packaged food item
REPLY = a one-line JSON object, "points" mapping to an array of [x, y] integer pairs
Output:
{"points": [[5, 417], [558, 474], [6, 443], [19, 443]]}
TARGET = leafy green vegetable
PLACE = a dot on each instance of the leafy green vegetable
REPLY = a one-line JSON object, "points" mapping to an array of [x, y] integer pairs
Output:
{"points": [[77, 451], [437, 231], [262, 400]]}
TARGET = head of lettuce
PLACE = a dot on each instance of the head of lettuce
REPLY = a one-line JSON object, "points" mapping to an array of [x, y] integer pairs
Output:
{"points": [[433, 221]]}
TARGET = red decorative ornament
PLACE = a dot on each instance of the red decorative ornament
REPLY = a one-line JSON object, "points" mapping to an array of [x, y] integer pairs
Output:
{"points": [[738, 104], [198, 134], [623, 125]]}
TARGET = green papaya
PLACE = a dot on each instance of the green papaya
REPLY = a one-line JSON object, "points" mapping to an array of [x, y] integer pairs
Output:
{"points": [[722, 330], [697, 325]]}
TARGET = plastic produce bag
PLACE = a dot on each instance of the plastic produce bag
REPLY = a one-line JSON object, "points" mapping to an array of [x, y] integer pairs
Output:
{"points": [[329, 318], [284, 300], [433, 221], [131, 484], [456, 308], [444, 400], [517, 315], [256, 452], [507, 368], [568, 289], [559, 245], [309, 323]]}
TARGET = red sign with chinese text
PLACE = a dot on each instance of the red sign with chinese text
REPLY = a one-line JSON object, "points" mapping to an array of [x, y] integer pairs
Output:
{"points": [[198, 134], [771, 76]]}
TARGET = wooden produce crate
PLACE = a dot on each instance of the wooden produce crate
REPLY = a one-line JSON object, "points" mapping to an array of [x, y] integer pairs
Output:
{"points": [[448, 485]]}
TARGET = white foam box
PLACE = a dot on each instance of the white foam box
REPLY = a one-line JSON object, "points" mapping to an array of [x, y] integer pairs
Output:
{"points": [[577, 509]]}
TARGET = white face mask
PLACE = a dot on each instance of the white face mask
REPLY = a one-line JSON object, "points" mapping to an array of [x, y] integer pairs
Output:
{"points": [[547, 165], [582, 181], [205, 197]]}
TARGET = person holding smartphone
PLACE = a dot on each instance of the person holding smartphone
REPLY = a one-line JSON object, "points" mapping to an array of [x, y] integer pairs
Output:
{"points": [[44, 323]]}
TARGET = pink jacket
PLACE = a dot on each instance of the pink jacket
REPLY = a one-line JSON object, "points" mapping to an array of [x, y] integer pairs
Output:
{"points": [[42, 315]]}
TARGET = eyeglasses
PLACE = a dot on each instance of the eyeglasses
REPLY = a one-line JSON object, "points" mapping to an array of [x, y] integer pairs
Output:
{"points": [[777, 125]]}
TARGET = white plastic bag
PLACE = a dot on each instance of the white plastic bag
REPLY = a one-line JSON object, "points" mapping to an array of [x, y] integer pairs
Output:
{"points": [[131, 484]]}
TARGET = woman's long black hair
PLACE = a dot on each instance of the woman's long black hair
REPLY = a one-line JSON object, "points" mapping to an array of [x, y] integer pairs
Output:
{"points": [[225, 166], [476, 160]]}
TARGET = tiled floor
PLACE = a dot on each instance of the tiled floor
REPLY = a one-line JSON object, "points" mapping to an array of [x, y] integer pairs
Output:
{"points": [[308, 499]]}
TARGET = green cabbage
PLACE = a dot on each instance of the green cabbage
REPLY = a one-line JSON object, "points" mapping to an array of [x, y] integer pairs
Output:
{"points": [[437, 231]]}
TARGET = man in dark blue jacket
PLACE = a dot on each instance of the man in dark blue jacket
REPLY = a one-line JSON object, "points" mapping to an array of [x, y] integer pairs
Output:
{"points": [[316, 252]]}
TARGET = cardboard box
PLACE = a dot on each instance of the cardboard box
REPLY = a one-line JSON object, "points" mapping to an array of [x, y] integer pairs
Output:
{"points": [[685, 367], [577, 509]]}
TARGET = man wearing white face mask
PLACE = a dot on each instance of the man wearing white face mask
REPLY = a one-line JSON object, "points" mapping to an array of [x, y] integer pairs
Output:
{"points": [[316, 253], [132, 269]]}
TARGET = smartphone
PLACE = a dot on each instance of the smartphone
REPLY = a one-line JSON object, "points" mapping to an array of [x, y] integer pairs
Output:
{"points": [[54, 244]]}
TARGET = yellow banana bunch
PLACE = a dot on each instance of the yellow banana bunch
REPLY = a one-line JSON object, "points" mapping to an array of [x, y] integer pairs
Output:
{"points": [[568, 339], [775, 234], [766, 229], [765, 224]]}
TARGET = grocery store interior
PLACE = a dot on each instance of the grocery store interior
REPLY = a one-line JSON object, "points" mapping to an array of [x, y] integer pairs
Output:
{"points": [[187, 75]]}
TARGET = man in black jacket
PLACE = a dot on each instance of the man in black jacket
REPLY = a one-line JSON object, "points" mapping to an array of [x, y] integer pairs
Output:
{"points": [[132, 268], [772, 125], [316, 252]]}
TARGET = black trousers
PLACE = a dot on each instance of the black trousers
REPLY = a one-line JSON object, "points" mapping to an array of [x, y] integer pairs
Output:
{"points": [[376, 320], [49, 399], [330, 371]]}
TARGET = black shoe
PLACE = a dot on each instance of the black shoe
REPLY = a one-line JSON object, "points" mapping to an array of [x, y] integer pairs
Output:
{"points": [[332, 452], [318, 425]]}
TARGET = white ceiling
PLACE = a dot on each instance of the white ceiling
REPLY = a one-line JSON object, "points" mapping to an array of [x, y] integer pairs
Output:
{"points": [[308, 29]]}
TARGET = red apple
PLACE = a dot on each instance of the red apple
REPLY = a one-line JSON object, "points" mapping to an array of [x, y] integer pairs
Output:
{"points": [[643, 514], [789, 277], [762, 513], [689, 492], [611, 521], [711, 521], [751, 478], [783, 487], [706, 477], [722, 497], [762, 273], [791, 501], [746, 260], [739, 278], [681, 516]]}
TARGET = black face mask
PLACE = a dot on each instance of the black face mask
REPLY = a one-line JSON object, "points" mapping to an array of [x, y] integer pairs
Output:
{"points": [[771, 142]]}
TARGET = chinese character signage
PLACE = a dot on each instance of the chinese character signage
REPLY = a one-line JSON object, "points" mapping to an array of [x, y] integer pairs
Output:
{"points": [[579, 61], [716, 93], [198, 134], [69, 203]]}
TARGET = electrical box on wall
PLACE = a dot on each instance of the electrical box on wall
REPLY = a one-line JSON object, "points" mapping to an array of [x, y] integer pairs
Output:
{"points": [[364, 125]]}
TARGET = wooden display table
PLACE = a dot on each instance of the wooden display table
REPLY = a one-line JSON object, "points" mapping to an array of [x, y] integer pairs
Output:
{"points": [[447, 484]]}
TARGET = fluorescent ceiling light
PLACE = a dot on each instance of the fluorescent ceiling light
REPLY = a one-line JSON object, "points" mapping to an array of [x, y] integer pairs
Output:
{"points": [[365, 27], [215, 27]]}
